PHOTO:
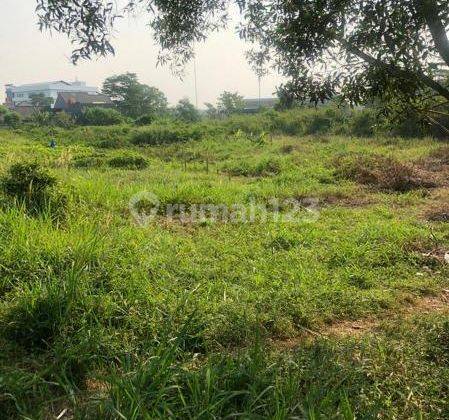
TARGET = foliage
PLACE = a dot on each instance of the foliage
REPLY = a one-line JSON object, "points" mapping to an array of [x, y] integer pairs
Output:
{"points": [[186, 111], [134, 98], [128, 162], [358, 50], [146, 119], [211, 111], [266, 167], [363, 124], [230, 103], [29, 185], [42, 118], [63, 119], [100, 116], [12, 119], [164, 135], [40, 101]]}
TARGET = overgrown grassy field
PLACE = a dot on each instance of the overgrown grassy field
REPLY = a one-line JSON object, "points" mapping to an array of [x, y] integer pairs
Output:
{"points": [[339, 315]]}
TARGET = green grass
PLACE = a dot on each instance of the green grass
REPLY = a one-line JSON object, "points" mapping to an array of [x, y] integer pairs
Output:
{"points": [[112, 320]]}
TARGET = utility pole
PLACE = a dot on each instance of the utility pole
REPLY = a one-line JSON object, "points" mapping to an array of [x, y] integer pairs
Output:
{"points": [[195, 81], [259, 80]]}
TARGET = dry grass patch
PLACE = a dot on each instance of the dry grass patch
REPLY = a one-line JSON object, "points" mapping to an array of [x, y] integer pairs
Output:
{"points": [[382, 173], [438, 213]]}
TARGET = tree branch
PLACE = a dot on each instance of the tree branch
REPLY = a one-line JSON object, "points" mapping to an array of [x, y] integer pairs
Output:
{"points": [[429, 9], [395, 70]]}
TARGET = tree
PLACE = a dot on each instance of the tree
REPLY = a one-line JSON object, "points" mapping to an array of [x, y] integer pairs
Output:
{"points": [[40, 101], [211, 111], [134, 98], [230, 103], [360, 50], [186, 111], [100, 116]]}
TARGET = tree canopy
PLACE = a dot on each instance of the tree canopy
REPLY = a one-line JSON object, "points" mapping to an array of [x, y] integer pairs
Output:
{"points": [[362, 50], [186, 111], [134, 98], [230, 103], [39, 100]]}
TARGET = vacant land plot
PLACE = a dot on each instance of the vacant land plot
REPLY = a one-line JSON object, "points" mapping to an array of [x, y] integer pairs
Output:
{"points": [[328, 299]]}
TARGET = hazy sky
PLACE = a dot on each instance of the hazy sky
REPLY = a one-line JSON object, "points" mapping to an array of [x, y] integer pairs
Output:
{"points": [[27, 55]]}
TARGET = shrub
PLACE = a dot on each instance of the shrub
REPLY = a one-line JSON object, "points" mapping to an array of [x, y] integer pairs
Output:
{"points": [[35, 320], [27, 181], [384, 173], [318, 124], [40, 117], [363, 123], [3, 110], [64, 120], [12, 119], [33, 187], [128, 162], [266, 167], [146, 119], [409, 127], [186, 112], [165, 135], [91, 161], [100, 116], [111, 144]]}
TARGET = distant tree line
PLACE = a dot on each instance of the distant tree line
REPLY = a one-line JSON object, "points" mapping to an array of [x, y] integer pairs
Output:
{"points": [[135, 102]]}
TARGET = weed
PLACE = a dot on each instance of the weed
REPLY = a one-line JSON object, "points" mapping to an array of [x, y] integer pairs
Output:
{"points": [[128, 162]]}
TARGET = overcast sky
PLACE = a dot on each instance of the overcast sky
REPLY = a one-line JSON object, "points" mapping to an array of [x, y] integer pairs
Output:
{"points": [[27, 55]]}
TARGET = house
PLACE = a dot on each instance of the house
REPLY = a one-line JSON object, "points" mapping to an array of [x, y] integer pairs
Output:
{"points": [[17, 96], [75, 102], [254, 105]]}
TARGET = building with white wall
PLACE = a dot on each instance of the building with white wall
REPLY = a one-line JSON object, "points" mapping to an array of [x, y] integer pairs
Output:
{"points": [[17, 96]]}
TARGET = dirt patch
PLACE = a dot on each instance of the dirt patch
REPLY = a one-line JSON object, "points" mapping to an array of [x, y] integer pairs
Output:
{"points": [[351, 201], [96, 385], [438, 213]]}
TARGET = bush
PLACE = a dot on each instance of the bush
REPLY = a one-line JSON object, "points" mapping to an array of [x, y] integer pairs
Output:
{"points": [[34, 321], [363, 123], [146, 119], [33, 187], [100, 116], [266, 167], [27, 180], [128, 162], [64, 120], [186, 112], [165, 135], [91, 161], [12, 119]]}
